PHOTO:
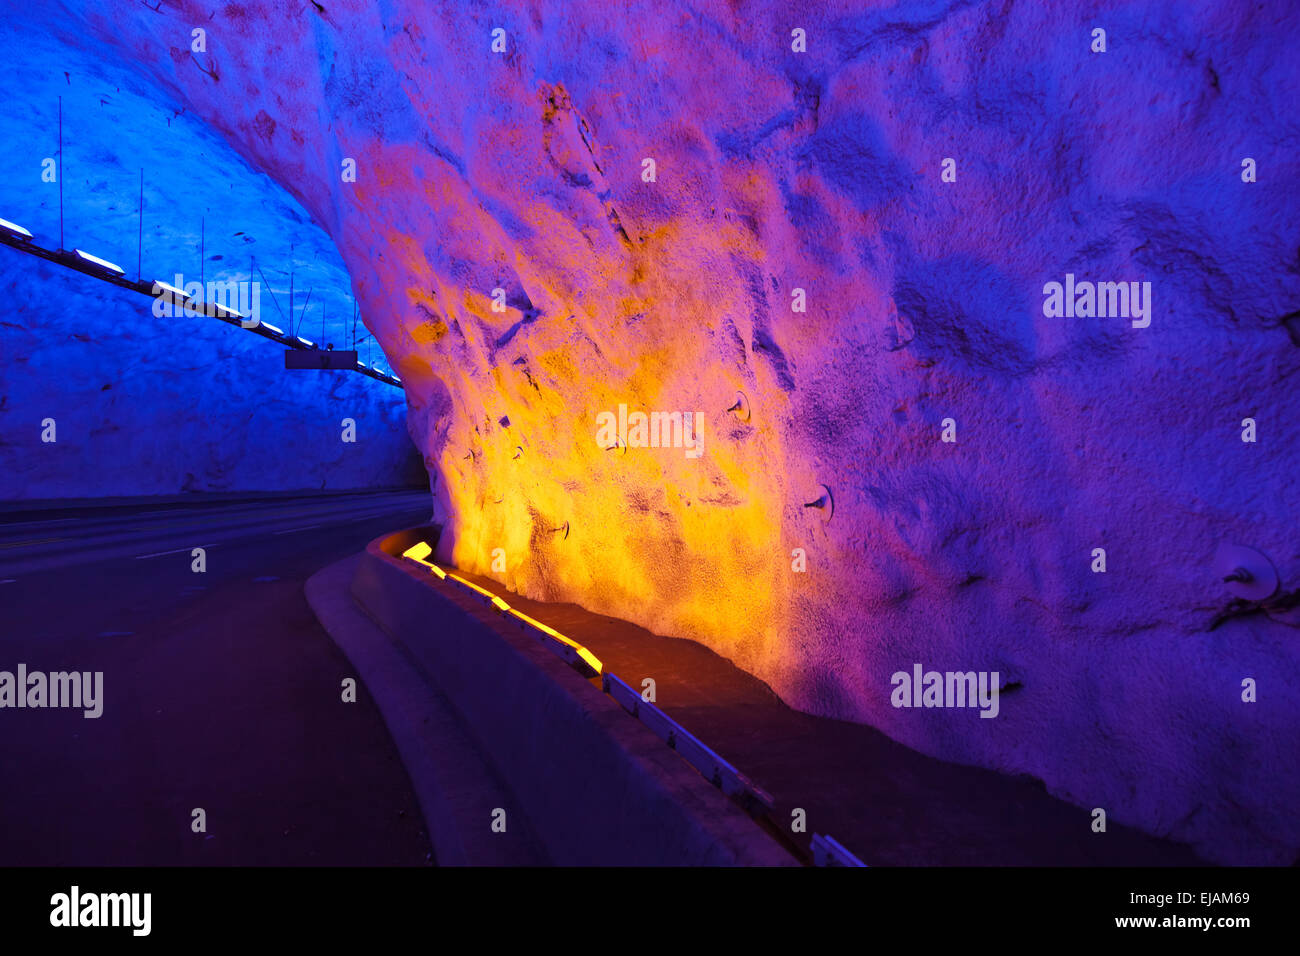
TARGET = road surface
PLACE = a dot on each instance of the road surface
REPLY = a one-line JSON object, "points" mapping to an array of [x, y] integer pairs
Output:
{"points": [[221, 691]]}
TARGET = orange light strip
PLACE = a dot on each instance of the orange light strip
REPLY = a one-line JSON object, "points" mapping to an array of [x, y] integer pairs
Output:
{"points": [[496, 602], [706, 762], [421, 550], [591, 659], [418, 552]]}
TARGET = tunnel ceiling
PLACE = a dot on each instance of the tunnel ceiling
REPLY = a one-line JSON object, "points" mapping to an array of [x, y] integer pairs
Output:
{"points": [[678, 207]]}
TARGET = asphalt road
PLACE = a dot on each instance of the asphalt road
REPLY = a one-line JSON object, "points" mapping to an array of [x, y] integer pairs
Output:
{"points": [[221, 692]]}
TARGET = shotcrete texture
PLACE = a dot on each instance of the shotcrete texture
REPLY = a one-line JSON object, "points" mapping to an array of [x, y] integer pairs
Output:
{"points": [[821, 171], [150, 405]]}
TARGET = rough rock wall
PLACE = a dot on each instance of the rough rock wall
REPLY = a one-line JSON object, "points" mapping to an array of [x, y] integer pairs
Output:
{"points": [[210, 411], [823, 171], [158, 406]]}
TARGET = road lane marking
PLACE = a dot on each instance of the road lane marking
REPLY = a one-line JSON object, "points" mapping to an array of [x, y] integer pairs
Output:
{"points": [[26, 544], [292, 530], [380, 514], [141, 557], [27, 524]]}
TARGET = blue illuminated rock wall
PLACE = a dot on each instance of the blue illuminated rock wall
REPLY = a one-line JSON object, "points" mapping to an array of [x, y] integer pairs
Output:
{"points": [[143, 407], [157, 406]]}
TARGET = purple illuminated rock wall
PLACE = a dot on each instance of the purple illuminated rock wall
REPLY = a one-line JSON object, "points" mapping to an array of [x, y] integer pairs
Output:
{"points": [[822, 171]]}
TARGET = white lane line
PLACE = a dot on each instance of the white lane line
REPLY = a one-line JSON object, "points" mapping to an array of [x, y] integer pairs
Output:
{"points": [[28, 524], [292, 530], [159, 554], [27, 544], [9, 581], [382, 514]]}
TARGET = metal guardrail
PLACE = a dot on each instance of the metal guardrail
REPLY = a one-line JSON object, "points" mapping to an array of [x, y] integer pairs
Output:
{"points": [[569, 651], [828, 852], [708, 763], [704, 759]]}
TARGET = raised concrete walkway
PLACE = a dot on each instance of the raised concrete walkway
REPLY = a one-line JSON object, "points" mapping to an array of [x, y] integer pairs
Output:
{"points": [[597, 785], [456, 788], [886, 803]]}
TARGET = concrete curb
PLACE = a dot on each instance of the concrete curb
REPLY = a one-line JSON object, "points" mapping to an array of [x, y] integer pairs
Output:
{"points": [[599, 788], [456, 788], [23, 505]]}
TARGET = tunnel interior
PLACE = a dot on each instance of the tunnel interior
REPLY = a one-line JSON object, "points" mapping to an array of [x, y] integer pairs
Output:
{"points": [[855, 344], [149, 187]]}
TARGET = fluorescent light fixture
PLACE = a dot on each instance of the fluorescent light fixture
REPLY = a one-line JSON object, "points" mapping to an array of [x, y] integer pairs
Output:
{"points": [[396, 379], [362, 365], [102, 263], [14, 228], [271, 328], [307, 342], [216, 308], [168, 287]]}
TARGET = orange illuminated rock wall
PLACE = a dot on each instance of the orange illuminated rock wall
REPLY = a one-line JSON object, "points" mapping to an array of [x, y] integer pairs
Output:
{"points": [[822, 171]]}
